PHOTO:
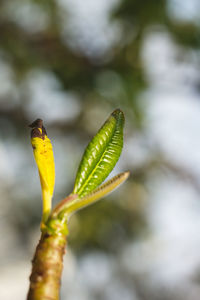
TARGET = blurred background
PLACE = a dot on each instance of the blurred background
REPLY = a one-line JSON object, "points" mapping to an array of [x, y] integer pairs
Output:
{"points": [[71, 63]]}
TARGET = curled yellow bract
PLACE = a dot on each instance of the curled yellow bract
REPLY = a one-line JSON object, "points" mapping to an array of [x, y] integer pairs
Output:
{"points": [[43, 154]]}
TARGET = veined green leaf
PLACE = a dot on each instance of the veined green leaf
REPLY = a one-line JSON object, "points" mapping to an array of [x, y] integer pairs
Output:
{"points": [[101, 155]]}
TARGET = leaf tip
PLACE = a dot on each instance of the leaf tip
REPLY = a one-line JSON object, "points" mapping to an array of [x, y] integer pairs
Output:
{"points": [[118, 115], [126, 174]]}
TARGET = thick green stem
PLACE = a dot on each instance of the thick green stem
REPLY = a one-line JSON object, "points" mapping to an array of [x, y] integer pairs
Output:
{"points": [[47, 263]]}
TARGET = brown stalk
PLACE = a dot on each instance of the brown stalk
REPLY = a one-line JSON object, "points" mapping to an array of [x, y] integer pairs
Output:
{"points": [[47, 265]]}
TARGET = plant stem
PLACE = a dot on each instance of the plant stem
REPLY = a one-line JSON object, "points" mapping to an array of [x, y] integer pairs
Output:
{"points": [[47, 263]]}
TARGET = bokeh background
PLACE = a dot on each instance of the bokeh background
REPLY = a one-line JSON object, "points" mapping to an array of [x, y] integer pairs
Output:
{"points": [[71, 63]]}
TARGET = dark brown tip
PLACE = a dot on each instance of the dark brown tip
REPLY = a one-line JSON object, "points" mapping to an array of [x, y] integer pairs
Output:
{"points": [[35, 132], [118, 115], [36, 124]]}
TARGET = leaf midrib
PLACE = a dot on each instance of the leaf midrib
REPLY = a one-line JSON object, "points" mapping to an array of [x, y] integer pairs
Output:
{"points": [[90, 175]]}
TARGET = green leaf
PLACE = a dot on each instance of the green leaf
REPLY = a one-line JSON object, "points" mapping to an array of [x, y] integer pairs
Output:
{"points": [[72, 205], [101, 155]]}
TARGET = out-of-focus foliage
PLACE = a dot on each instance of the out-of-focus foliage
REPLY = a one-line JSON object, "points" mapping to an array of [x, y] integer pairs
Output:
{"points": [[44, 44], [71, 63]]}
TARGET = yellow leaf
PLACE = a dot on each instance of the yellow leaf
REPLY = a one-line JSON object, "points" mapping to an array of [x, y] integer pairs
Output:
{"points": [[43, 154]]}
